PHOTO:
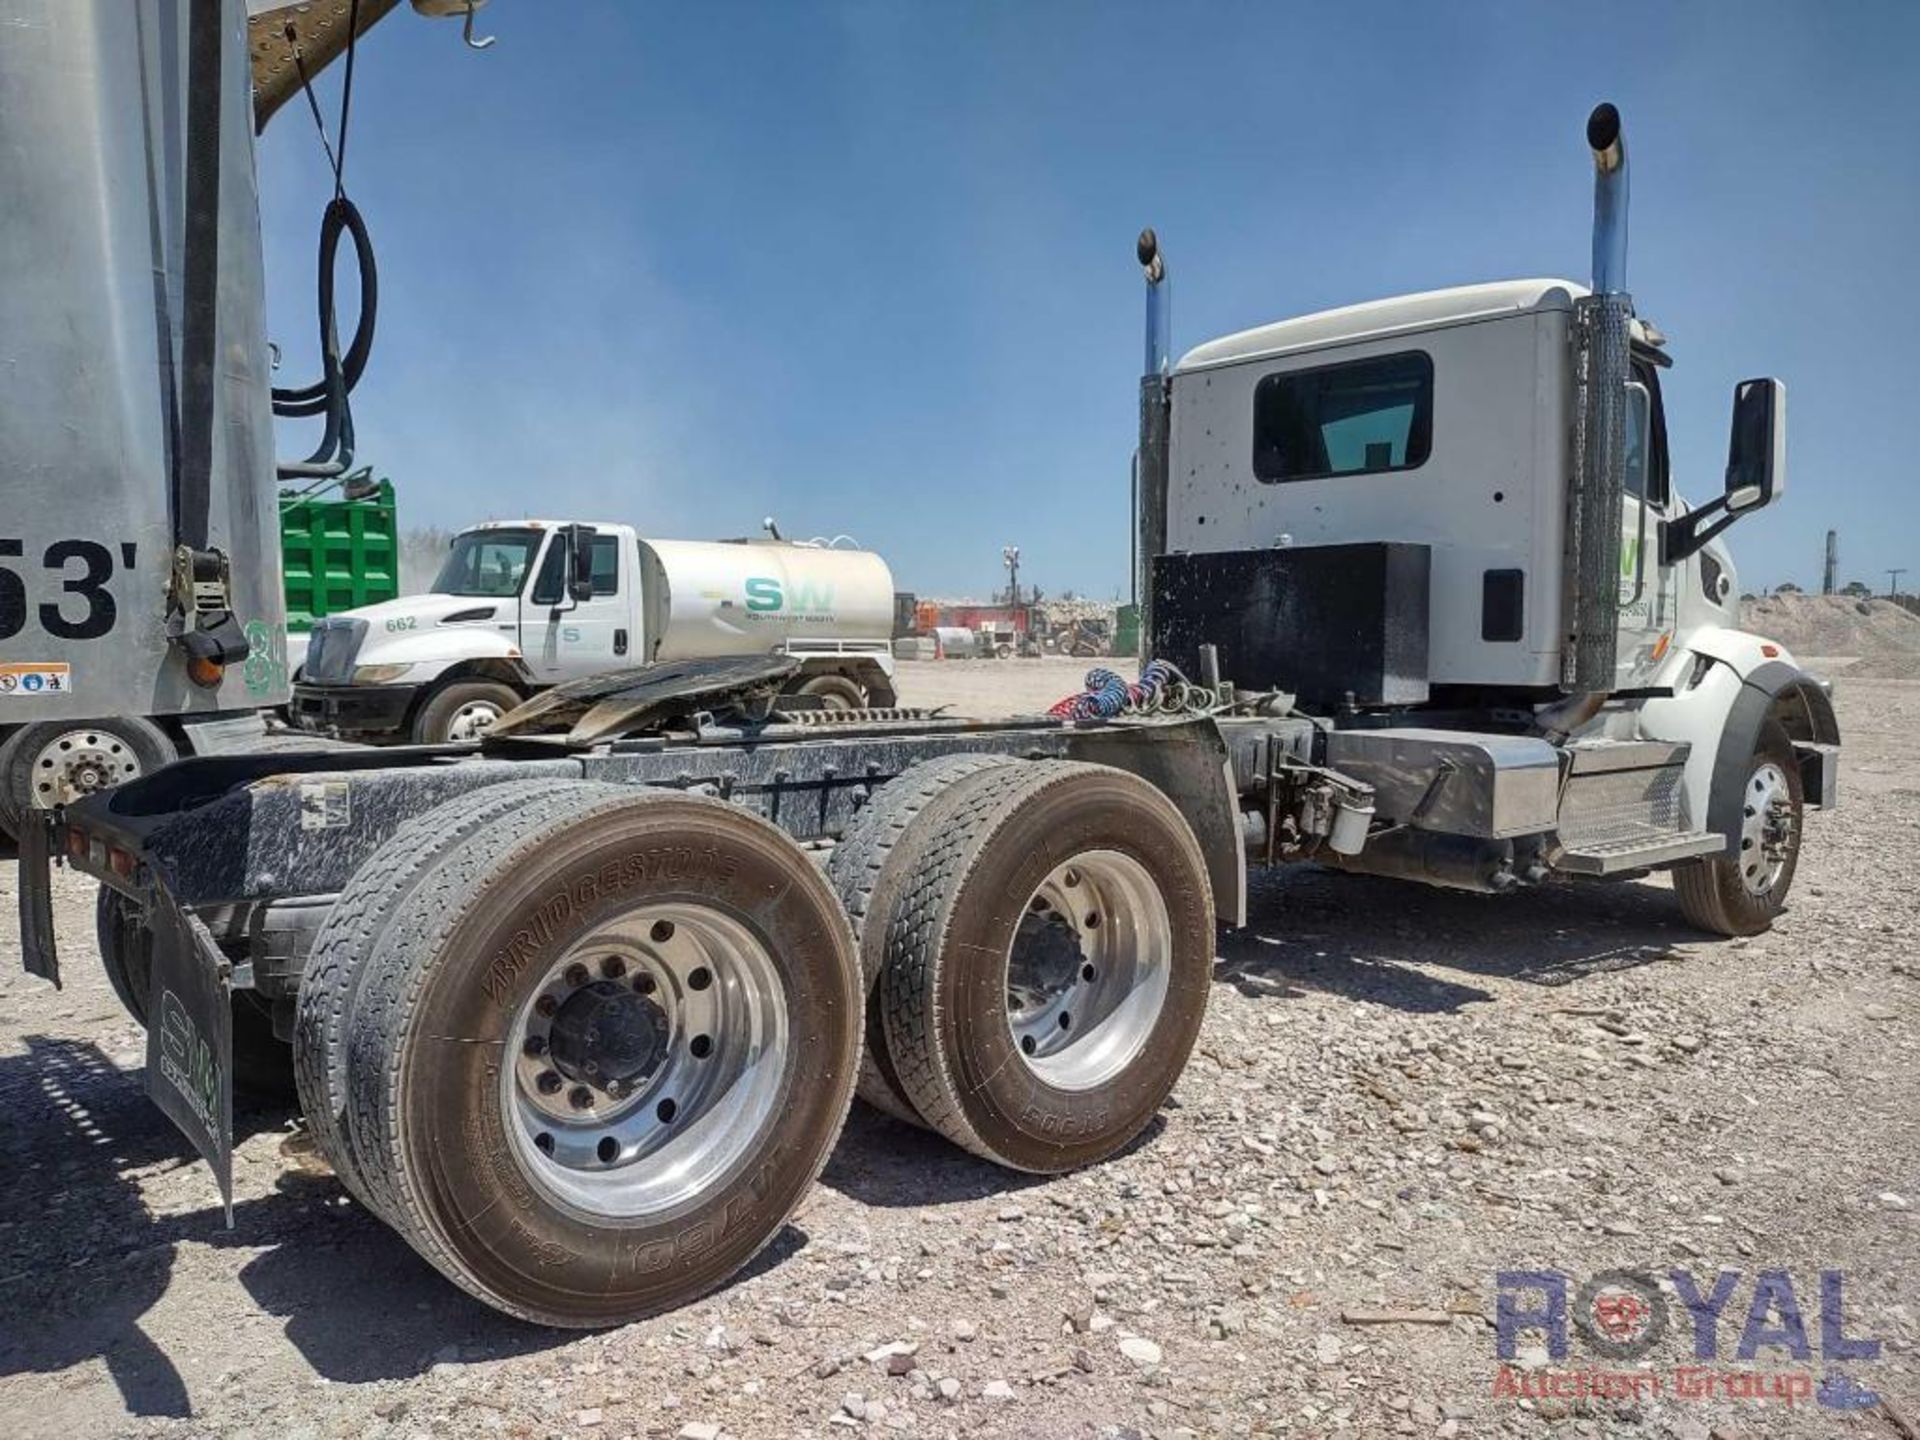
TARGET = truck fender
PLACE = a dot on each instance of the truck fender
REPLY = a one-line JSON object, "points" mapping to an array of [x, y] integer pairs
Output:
{"points": [[1726, 685], [1778, 691]]}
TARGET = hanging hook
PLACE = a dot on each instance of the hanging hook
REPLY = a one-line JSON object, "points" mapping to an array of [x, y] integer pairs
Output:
{"points": [[467, 32]]}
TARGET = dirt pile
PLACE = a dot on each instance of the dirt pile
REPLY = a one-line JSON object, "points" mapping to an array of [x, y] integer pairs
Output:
{"points": [[1884, 636]]}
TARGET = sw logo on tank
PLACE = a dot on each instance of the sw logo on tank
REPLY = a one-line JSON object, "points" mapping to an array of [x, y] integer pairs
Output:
{"points": [[765, 594], [1623, 1315]]}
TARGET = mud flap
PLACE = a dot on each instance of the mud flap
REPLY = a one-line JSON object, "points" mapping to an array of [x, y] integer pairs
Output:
{"points": [[37, 950], [190, 1036]]}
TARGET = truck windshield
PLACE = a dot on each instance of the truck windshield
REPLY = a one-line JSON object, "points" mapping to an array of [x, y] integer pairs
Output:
{"points": [[487, 562]]}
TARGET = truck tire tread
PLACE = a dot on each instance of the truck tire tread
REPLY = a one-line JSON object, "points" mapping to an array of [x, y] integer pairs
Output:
{"points": [[866, 869], [381, 1021], [349, 936], [920, 943]]}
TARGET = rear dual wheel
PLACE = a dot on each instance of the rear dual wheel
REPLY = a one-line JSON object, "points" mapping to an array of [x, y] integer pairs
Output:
{"points": [[594, 1052], [1046, 944]]}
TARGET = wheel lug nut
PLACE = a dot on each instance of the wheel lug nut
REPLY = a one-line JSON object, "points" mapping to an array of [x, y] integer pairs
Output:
{"points": [[613, 967], [580, 1097], [616, 1089], [644, 983], [662, 931], [536, 1045], [576, 975], [545, 1006], [549, 1082]]}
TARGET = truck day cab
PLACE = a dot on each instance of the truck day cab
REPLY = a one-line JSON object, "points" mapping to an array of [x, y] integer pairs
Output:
{"points": [[578, 1012], [523, 605]]}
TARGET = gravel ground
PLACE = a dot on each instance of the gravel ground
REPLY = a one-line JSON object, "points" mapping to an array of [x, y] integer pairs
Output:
{"points": [[1398, 1093]]}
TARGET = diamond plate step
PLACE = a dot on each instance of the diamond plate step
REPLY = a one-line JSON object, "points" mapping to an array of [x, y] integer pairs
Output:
{"points": [[1638, 852]]}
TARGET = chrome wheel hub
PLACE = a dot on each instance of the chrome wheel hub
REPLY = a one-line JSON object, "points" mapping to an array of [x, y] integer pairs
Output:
{"points": [[1088, 969], [473, 720], [77, 763], [1766, 829], [649, 1059]]}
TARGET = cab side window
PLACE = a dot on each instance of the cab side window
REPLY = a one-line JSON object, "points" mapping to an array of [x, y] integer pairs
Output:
{"points": [[1659, 486], [549, 584], [606, 565]]}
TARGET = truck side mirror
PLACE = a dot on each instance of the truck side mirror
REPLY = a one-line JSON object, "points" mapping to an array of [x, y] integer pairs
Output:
{"points": [[1756, 469], [580, 562], [1757, 448]]}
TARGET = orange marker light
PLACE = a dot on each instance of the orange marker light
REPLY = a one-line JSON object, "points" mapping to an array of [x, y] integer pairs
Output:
{"points": [[1770, 651], [1660, 645], [204, 672]]}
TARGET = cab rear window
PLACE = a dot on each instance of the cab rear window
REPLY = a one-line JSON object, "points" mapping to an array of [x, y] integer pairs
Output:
{"points": [[1362, 417]]}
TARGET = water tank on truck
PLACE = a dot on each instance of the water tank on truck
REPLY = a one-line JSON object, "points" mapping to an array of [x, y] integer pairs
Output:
{"points": [[707, 598]]}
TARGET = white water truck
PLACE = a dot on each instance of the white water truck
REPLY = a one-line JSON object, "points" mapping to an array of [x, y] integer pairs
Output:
{"points": [[579, 1010], [522, 605]]}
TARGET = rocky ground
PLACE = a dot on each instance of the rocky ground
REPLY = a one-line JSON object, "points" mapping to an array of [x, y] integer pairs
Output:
{"points": [[1398, 1094]]}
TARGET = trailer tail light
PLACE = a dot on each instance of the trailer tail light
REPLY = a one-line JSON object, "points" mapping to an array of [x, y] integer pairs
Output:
{"points": [[121, 862], [1770, 651], [76, 844]]}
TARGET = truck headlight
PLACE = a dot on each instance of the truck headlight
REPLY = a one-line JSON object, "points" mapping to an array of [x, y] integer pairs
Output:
{"points": [[378, 674]]}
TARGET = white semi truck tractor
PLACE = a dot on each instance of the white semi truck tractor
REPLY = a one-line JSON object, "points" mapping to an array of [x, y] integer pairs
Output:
{"points": [[522, 605], [578, 1010]]}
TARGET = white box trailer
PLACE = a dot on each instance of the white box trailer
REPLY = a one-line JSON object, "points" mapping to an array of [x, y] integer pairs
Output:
{"points": [[522, 605]]}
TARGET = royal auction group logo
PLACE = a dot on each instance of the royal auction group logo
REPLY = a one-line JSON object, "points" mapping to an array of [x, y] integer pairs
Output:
{"points": [[1621, 1316]]}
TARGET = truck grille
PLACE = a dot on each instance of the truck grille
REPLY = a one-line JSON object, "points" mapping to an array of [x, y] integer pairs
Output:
{"points": [[332, 650]]}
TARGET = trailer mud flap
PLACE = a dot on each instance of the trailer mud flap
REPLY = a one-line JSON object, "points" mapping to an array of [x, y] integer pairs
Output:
{"points": [[37, 950], [190, 1036]]}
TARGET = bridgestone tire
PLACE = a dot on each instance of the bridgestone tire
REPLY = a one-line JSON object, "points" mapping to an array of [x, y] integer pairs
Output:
{"points": [[337, 964], [880, 850], [144, 742], [465, 952], [944, 995], [1713, 897], [431, 725], [262, 1064]]}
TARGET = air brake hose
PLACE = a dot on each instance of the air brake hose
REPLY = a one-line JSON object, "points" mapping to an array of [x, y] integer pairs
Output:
{"points": [[328, 395]]}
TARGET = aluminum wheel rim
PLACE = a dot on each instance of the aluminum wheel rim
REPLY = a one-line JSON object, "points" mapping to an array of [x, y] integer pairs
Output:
{"points": [[1088, 969], [473, 720], [658, 1142], [79, 763], [1766, 829]]}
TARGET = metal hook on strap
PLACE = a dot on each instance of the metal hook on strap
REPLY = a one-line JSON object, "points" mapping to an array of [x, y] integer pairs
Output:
{"points": [[467, 30]]}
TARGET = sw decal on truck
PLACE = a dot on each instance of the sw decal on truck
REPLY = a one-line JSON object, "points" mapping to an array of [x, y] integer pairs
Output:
{"points": [[764, 593]]}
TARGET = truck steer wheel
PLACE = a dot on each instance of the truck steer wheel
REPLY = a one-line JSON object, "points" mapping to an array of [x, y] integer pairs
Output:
{"points": [[465, 710], [601, 1051], [1741, 893], [56, 762], [1047, 965]]}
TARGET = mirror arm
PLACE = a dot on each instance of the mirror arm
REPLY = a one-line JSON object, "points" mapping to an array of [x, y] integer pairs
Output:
{"points": [[1684, 536]]}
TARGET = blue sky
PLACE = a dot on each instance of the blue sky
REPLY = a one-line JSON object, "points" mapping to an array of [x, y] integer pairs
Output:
{"points": [[868, 267]]}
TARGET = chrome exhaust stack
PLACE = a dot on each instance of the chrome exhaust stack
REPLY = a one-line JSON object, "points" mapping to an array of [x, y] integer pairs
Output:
{"points": [[1156, 421], [1597, 492]]}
